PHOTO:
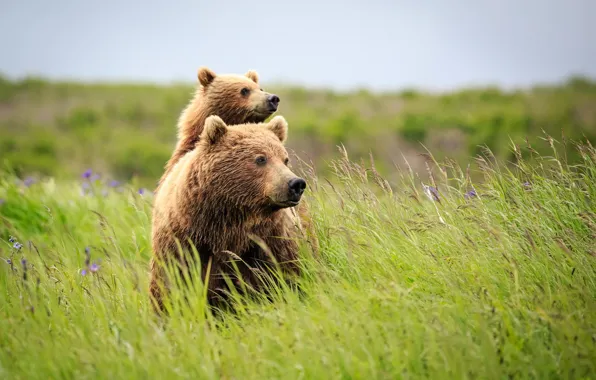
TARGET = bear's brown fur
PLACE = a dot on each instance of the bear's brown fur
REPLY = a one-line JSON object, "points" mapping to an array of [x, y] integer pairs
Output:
{"points": [[236, 99], [227, 194]]}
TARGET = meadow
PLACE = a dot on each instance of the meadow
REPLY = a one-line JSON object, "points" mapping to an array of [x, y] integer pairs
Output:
{"points": [[457, 238], [491, 279]]}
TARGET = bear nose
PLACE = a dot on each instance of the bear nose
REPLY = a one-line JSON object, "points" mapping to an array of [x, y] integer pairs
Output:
{"points": [[273, 101], [297, 186]]}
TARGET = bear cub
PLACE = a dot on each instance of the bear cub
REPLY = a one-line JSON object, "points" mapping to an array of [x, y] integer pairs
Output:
{"points": [[236, 99]]}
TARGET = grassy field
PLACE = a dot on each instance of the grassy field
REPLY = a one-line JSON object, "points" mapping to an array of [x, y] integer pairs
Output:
{"points": [[499, 283], [127, 131]]}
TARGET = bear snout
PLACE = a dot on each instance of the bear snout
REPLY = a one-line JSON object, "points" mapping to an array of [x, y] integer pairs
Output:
{"points": [[296, 187], [272, 102]]}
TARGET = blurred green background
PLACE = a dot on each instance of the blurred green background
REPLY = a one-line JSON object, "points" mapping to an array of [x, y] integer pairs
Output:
{"points": [[126, 131]]}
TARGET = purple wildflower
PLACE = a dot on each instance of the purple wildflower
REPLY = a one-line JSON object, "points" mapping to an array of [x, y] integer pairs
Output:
{"points": [[88, 266], [431, 193], [87, 174], [17, 246], [141, 191], [9, 262], [470, 194], [29, 181], [12, 239], [114, 183], [2, 201], [95, 177]]}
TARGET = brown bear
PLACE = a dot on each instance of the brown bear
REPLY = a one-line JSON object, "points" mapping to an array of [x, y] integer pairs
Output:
{"points": [[227, 197], [236, 99]]}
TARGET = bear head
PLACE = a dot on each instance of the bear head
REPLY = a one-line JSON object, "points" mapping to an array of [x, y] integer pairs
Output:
{"points": [[236, 97], [247, 165]]}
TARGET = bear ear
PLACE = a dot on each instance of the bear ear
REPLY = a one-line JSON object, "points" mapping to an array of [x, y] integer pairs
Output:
{"points": [[214, 129], [252, 75], [206, 76], [279, 126]]}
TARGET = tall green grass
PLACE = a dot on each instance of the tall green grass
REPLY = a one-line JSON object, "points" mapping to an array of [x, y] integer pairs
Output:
{"points": [[498, 285]]}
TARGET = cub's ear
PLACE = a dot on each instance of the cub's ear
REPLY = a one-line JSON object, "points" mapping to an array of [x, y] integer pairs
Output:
{"points": [[279, 126], [252, 75], [214, 129], [206, 76]]}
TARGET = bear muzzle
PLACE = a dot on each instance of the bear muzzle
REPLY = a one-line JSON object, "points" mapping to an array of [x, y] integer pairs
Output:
{"points": [[272, 103], [289, 194], [296, 188]]}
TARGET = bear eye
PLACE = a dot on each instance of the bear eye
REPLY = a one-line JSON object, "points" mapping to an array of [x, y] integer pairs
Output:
{"points": [[286, 161], [261, 160], [244, 91]]}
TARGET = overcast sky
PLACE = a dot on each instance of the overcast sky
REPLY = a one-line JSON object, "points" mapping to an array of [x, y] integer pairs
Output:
{"points": [[432, 44]]}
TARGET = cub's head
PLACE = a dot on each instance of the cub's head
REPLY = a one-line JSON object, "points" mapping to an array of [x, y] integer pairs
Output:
{"points": [[247, 165], [236, 99]]}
